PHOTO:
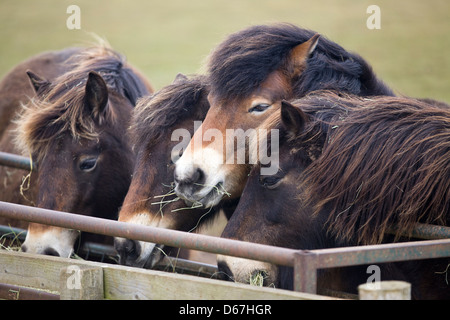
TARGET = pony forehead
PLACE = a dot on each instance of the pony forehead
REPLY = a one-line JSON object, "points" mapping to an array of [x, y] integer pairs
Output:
{"points": [[61, 106], [155, 115], [244, 60]]}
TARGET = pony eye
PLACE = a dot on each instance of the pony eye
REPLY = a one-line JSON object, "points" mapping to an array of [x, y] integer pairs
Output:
{"points": [[259, 108], [270, 182], [88, 164]]}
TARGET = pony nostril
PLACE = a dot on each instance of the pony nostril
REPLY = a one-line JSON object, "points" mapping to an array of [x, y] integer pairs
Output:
{"points": [[51, 252], [24, 248], [224, 272], [199, 176], [196, 176]]}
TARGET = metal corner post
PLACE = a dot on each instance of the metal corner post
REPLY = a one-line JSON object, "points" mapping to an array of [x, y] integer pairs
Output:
{"points": [[305, 271]]}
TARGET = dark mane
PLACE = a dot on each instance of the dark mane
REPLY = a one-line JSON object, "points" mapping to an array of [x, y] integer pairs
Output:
{"points": [[156, 114], [385, 163], [60, 106], [244, 60]]}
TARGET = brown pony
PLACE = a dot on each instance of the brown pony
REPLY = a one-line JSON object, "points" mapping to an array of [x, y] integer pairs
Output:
{"points": [[161, 128], [16, 90], [73, 128], [248, 73], [349, 169]]}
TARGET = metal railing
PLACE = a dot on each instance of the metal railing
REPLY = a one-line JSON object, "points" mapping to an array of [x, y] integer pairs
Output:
{"points": [[305, 262], [15, 161]]}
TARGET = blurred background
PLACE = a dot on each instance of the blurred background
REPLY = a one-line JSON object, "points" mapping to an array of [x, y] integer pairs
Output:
{"points": [[411, 51]]}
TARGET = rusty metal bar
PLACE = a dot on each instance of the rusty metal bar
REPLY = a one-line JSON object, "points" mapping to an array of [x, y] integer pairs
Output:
{"points": [[389, 252], [15, 161], [102, 251], [421, 231], [87, 249], [427, 231], [178, 239], [305, 262], [308, 261]]}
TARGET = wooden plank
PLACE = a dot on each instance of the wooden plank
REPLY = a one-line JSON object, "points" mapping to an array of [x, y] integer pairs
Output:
{"points": [[122, 282], [30, 270], [131, 283], [81, 283], [12, 292]]}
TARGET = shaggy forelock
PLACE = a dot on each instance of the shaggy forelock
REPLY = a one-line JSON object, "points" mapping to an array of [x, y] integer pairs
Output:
{"points": [[60, 107], [155, 115], [244, 60], [241, 63]]}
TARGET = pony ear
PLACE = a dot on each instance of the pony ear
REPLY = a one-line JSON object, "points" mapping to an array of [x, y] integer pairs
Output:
{"points": [[179, 78], [36, 81], [300, 54], [96, 93], [293, 119]]}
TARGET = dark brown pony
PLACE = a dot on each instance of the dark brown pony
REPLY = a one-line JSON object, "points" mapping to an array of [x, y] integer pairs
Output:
{"points": [[73, 126], [248, 73], [161, 128], [349, 169]]}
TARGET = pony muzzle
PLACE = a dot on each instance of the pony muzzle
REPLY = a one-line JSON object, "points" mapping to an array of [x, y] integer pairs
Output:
{"points": [[139, 254], [199, 177], [247, 271], [53, 241]]}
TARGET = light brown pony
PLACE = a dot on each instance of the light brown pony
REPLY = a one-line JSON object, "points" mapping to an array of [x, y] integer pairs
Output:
{"points": [[73, 128], [248, 73], [161, 128], [349, 169]]}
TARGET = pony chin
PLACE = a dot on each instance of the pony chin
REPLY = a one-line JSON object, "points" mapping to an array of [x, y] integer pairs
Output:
{"points": [[51, 241], [243, 270]]}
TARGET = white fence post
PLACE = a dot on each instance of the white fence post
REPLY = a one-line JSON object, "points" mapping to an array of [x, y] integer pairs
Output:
{"points": [[385, 290]]}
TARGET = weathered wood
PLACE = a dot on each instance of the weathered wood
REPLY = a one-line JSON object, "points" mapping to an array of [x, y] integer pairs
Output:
{"points": [[385, 290], [12, 292], [143, 284], [81, 283], [122, 282]]}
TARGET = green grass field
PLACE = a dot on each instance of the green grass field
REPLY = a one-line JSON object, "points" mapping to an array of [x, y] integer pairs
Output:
{"points": [[162, 38]]}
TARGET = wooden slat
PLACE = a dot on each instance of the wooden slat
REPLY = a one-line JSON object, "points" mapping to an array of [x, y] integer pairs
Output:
{"points": [[122, 282], [12, 292], [81, 283]]}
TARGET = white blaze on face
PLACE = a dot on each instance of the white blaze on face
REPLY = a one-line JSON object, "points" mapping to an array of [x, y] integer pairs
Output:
{"points": [[215, 163], [59, 239], [213, 184], [208, 160]]}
